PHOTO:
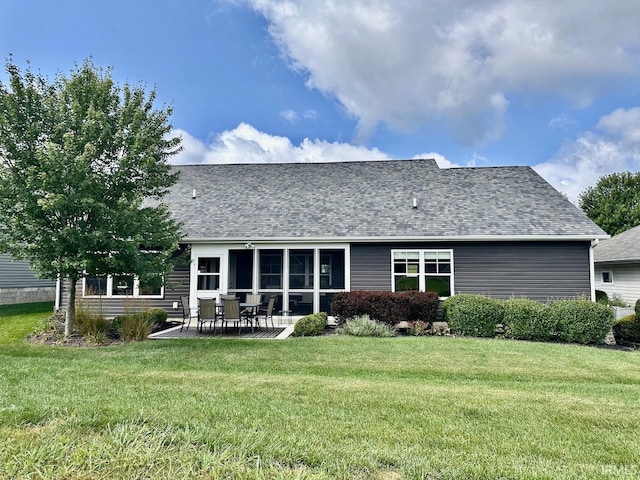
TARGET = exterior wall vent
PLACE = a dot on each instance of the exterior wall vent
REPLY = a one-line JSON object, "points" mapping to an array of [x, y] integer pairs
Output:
{"points": [[414, 204]]}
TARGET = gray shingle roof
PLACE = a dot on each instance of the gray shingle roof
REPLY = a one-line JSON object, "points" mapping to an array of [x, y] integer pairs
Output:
{"points": [[624, 247], [367, 200]]}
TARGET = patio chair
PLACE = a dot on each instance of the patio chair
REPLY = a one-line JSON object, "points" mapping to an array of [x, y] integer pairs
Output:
{"points": [[228, 297], [186, 312], [268, 312], [233, 314], [253, 311], [251, 298], [208, 313]]}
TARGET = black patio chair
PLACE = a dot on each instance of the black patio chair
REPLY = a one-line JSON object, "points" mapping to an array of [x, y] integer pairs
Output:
{"points": [[186, 312]]}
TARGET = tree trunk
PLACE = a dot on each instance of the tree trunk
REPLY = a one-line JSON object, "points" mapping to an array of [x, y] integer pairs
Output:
{"points": [[71, 307]]}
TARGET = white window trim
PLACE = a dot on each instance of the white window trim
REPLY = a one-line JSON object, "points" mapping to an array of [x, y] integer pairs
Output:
{"points": [[610, 272], [109, 288], [421, 270]]}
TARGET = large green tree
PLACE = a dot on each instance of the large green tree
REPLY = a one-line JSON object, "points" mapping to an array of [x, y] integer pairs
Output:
{"points": [[83, 168], [614, 202]]}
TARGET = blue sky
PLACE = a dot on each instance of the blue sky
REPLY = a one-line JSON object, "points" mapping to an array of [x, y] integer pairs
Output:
{"points": [[554, 85]]}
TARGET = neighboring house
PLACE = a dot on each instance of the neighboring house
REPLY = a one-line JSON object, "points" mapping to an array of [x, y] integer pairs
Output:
{"points": [[19, 284], [617, 266], [305, 231]]}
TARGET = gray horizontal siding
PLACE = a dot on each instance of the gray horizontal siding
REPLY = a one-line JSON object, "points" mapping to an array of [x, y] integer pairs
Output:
{"points": [[109, 306], [539, 270], [17, 274]]}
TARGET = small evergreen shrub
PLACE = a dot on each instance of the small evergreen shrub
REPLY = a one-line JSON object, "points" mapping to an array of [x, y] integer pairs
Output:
{"points": [[627, 329], [157, 316], [473, 315], [637, 308], [580, 321], [363, 326], [310, 325], [527, 320]]}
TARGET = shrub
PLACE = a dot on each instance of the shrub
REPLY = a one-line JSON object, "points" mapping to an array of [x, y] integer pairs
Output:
{"points": [[527, 320], [90, 324], [580, 321], [473, 314], [310, 325], [423, 306], [386, 307], [627, 329], [617, 301], [418, 328], [136, 326], [602, 297], [115, 327], [637, 308], [363, 326], [157, 316]]}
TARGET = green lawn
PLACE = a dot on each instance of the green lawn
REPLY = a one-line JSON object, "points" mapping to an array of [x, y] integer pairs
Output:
{"points": [[327, 407]]}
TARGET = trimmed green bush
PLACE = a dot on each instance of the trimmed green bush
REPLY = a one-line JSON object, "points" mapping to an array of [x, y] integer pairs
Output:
{"points": [[310, 325], [527, 319], [473, 315], [363, 326], [580, 321], [157, 316], [627, 329]]}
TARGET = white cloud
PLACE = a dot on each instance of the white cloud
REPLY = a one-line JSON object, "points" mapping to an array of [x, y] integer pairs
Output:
{"points": [[441, 160], [562, 122], [289, 115], [245, 144], [623, 125], [613, 147], [457, 62], [310, 115]]}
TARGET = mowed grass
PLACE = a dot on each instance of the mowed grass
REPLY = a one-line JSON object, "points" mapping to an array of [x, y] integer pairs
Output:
{"points": [[321, 408]]}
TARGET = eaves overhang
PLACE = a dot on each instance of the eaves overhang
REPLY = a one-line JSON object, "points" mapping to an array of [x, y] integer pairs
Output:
{"points": [[617, 261], [452, 238]]}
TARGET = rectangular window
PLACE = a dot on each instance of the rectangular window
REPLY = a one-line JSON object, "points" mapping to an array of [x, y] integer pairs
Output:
{"points": [[271, 269], [423, 270], [607, 277], [95, 286], [332, 269], [209, 273], [150, 288], [121, 286], [301, 269]]}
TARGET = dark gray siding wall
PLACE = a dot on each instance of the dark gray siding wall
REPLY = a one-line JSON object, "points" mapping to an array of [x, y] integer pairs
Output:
{"points": [[110, 307], [539, 270], [17, 274]]}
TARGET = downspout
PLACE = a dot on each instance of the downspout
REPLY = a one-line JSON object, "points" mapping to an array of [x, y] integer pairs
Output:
{"points": [[592, 270], [57, 302]]}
